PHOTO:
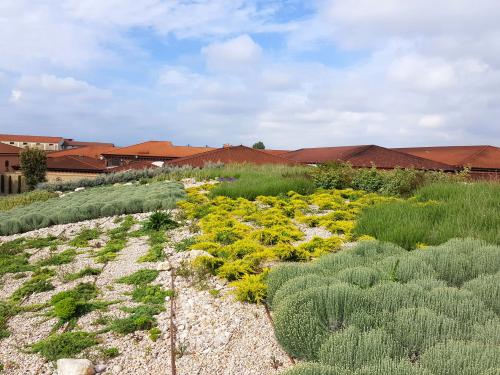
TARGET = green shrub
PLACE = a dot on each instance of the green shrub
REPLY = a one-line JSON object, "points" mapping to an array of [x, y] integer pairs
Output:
{"points": [[87, 271], [150, 294], [38, 283], [140, 277], [316, 369], [378, 309], [82, 239], [33, 164], [64, 345], [250, 288], [7, 310], [459, 357], [75, 302], [109, 353], [67, 256], [160, 220], [353, 349], [141, 318]]}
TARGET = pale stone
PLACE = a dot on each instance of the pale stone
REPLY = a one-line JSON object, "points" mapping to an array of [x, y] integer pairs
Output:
{"points": [[79, 189], [69, 366]]}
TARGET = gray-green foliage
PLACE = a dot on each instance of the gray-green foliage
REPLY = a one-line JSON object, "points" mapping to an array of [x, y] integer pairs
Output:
{"points": [[91, 204], [379, 309]]}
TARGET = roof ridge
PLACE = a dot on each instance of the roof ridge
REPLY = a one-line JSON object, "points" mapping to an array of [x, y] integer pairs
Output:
{"points": [[420, 158], [484, 147]]}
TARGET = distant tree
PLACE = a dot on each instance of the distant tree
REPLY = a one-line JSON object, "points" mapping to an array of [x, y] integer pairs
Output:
{"points": [[259, 146], [33, 166]]}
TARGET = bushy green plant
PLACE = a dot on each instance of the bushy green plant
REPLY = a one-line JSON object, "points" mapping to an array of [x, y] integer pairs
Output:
{"points": [[357, 311], [82, 239], [140, 318], [87, 271], [140, 277], [39, 282], [67, 256], [64, 345], [250, 288], [33, 164], [160, 220]]}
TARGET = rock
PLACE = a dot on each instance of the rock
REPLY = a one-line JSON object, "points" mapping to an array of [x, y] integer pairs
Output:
{"points": [[79, 189], [128, 184], [99, 368], [117, 369], [69, 366], [164, 266]]}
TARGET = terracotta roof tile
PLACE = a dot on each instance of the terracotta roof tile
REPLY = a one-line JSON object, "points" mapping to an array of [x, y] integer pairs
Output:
{"points": [[76, 163], [473, 156], [30, 138], [70, 142], [364, 156], [134, 165], [229, 155], [9, 149], [89, 151], [275, 152], [160, 149]]}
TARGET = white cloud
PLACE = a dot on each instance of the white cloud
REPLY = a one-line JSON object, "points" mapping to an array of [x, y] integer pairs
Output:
{"points": [[16, 96], [233, 54], [431, 121]]}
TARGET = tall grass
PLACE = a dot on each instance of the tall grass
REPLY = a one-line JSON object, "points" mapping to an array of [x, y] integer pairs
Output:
{"points": [[11, 201], [252, 180], [438, 212]]}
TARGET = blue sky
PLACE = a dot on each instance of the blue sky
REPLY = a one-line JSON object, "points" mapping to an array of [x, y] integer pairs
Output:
{"points": [[290, 73]]}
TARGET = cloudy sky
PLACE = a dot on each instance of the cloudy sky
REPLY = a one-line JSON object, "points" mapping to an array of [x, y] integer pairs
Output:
{"points": [[292, 73]]}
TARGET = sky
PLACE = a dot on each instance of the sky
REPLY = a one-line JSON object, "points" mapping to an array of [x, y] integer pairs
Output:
{"points": [[288, 72]]}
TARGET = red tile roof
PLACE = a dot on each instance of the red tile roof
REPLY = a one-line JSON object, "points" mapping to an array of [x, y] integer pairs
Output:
{"points": [[231, 155], [159, 149], [9, 149], [487, 157], [275, 152], [30, 138], [72, 143], [89, 151], [76, 163], [364, 156], [133, 165]]}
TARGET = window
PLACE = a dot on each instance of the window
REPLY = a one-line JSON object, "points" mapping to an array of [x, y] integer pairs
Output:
{"points": [[25, 143], [11, 143], [51, 144]]}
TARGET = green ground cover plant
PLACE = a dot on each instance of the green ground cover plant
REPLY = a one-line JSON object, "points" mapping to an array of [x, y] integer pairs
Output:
{"points": [[82, 239], [117, 241], [91, 204], [64, 345], [379, 309], [87, 271], [437, 213], [19, 200], [243, 237]]}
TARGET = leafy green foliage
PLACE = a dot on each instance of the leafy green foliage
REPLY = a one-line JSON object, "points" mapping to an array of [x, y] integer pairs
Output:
{"points": [[140, 318], [250, 288], [160, 220], [87, 271], [33, 166], [150, 294], [64, 345], [91, 204], [67, 256], [109, 353], [38, 283], [140, 277], [82, 239], [356, 310], [75, 302], [7, 310], [439, 212], [259, 145], [396, 182]]}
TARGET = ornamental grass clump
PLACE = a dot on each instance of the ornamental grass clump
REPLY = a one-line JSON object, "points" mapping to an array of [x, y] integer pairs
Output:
{"points": [[379, 309]]}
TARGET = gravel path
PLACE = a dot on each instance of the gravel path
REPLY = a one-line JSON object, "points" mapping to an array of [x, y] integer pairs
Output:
{"points": [[215, 334]]}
